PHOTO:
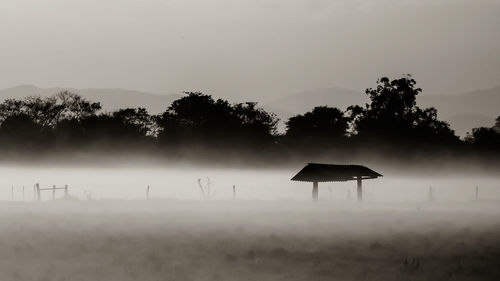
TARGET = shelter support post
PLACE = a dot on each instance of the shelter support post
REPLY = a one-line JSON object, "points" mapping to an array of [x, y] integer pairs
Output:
{"points": [[315, 191], [360, 189]]}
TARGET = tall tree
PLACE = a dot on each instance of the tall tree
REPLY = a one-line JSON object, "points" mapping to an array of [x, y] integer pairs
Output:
{"points": [[393, 115]]}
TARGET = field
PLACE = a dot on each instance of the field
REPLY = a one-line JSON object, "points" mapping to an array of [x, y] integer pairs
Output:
{"points": [[163, 239]]}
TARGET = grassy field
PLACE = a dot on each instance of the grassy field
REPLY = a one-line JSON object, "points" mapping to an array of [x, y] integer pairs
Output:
{"points": [[248, 240]]}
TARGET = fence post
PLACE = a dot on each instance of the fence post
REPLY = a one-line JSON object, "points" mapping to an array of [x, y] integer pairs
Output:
{"points": [[234, 191], [39, 198], [477, 192], [53, 192], [23, 194], [431, 195], [208, 188], [66, 191], [12, 192], [147, 193]]}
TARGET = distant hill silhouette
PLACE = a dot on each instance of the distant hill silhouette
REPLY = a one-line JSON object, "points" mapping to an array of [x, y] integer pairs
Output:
{"points": [[111, 99], [463, 112], [485, 102], [466, 111], [305, 101], [463, 123]]}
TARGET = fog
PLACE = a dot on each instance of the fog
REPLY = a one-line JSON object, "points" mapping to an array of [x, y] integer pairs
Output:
{"points": [[107, 230], [181, 183]]}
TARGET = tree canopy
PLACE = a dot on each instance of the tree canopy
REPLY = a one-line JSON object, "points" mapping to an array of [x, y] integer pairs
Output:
{"points": [[326, 123], [393, 115], [391, 119], [198, 118]]}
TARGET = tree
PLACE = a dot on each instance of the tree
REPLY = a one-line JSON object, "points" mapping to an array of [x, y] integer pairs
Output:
{"points": [[195, 117], [43, 111], [484, 138], [322, 122], [49, 111], [394, 116], [123, 127], [75, 106], [198, 118], [255, 122], [428, 128], [19, 130], [136, 119], [10, 107]]}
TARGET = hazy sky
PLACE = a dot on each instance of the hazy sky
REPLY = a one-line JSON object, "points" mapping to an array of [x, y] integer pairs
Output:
{"points": [[249, 49]]}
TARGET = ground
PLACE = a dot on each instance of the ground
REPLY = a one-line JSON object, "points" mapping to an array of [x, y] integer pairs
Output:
{"points": [[248, 240]]}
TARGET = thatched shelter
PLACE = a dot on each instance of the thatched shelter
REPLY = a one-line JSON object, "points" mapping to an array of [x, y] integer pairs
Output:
{"points": [[316, 173]]}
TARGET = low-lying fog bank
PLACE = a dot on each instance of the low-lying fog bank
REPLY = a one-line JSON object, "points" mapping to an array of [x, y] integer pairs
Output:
{"points": [[248, 240], [180, 182]]}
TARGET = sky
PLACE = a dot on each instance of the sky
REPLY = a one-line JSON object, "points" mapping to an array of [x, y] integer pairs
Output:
{"points": [[249, 50]]}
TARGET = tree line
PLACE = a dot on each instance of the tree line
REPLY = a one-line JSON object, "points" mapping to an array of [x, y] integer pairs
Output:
{"points": [[391, 122]]}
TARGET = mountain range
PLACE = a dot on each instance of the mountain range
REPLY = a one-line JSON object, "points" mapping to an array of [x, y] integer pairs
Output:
{"points": [[463, 112]]}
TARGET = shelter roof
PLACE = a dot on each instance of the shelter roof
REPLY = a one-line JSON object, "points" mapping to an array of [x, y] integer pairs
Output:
{"points": [[314, 172]]}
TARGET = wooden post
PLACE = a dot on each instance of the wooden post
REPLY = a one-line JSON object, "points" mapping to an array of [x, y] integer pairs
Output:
{"points": [[201, 188], [23, 194], [66, 191], [12, 192], [234, 192], [147, 193], [477, 192], [53, 192], [208, 188], [360, 189], [38, 197], [431, 194], [315, 191]]}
